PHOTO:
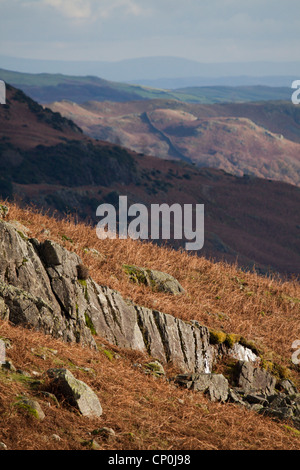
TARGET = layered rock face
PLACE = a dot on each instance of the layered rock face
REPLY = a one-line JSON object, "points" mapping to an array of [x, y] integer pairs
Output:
{"points": [[40, 286], [44, 286], [33, 292]]}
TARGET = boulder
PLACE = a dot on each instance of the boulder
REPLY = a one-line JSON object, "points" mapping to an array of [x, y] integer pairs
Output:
{"points": [[157, 280], [253, 379], [76, 392], [216, 386]]}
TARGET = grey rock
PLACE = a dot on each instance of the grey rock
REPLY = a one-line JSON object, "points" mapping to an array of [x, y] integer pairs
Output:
{"points": [[158, 281], [234, 396], [214, 385], [4, 210], [4, 310], [23, 372], [256, 399], [184, 380], [8, 365], [288, 387], [155, 368], [28, 291], [252, 379], [105, 433], [32, 407], [163, 336], [76, 392], [296, 409], [256, 407], [282, 413], [39, 286]]}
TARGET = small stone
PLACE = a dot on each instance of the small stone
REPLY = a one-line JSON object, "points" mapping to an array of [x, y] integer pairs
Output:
{"points": [[55, 437], [3, 446], [235, 397], [32, 407], [288, 387], [4, 210], [92, 444], [155, 368], [256, 407], [105, 433], [256, 399], [8, 365], [23, 372]]}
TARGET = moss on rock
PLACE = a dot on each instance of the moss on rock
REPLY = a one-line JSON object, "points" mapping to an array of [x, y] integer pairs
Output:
{"points": [[158, 281]]}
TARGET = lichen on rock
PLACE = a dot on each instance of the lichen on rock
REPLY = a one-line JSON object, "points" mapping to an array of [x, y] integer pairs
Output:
{"points": [[158, 281]]}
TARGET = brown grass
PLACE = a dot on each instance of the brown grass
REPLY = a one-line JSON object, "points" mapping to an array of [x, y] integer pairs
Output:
{"points": [[149, 413]]}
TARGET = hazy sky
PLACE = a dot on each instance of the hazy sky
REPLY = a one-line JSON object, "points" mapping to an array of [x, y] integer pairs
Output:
{"points": [[202, 30]]}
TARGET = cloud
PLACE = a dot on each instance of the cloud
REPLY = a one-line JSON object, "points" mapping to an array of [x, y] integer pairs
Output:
{"points": [[109, 7], [96, 9], [116, 29], [77, 9]]}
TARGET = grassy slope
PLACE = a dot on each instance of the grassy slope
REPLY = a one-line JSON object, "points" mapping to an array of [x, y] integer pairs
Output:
{"points": [[149, 413]]}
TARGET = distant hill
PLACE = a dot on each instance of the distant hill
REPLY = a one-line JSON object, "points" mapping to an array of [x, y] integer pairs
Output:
{"points": [[46, 88], [47, 161], [220, 81], [261, 139]]}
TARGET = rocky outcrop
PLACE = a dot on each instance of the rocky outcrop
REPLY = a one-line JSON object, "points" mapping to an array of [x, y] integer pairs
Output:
{"points": [[39, 286], [249, 386], [34, 293], [45, 286]]}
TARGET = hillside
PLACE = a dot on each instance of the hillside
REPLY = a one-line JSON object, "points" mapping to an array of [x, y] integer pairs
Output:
{"points": [[46, 88], [260, 139], [47, 162], [147, 411]]}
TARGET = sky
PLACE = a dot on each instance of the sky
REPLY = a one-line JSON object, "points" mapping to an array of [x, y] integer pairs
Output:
{"points": [[112, 30]]}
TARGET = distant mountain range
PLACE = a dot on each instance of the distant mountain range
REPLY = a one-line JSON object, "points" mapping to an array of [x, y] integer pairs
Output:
{"points": [[47, 161], [157, 68]]}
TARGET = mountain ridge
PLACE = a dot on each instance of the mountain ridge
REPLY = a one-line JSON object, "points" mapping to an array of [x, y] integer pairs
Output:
{"points": [[151, 68], [45, 87]]}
